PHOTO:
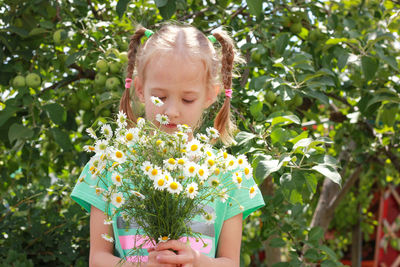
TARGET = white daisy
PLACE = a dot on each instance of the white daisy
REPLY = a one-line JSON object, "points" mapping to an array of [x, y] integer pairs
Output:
{"points": [[107, 237], [101, 146], [181, 136], [91, 133], [146, 167], [81, 179], [184, 128], [242, 161], [214, 182], [163, 239], [118, 156], [125, 216], [99, 191], [202, 137], [140, 122], [154, 173], [202, 172], [139, 195], [193, 148], [209, 217], [181, 162], [248, 171], [108, 221], [117, 179], [170, 163], [121, 119], [131, 135], [231, 162], [191, 190], [174, 187], [89, 148], [212, 132], [190, 169], [156, 101], [162, 119], [160, 182], [106, 131], [253, 191], [117, 199], [237, 178]]}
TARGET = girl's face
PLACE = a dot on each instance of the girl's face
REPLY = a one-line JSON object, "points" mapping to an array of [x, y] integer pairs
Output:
{"points": [[181, 85]]}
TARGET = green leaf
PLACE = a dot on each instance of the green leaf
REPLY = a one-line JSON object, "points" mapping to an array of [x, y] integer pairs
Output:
{"points": [[369, 67], [18, 131], [279, 135], [36, 31], [244, 137], [302, 135], [281, 43], [277, 242], [7, 113], [328, 263], [255, 7], [121, 7], [391, 97], [74, 57], [317, 95], [256, 108], [161, 3], [315, 234], [329, 252], [329, 172], [334, 41], [312, 254], [62, 139], [168, 9], [265, 168], [56, 113]]}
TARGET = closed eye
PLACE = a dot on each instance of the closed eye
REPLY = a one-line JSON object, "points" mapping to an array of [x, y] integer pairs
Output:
{"points": [[188, 101]]}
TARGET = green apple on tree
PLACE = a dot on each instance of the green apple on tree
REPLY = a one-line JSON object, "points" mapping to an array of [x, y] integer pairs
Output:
{"points": [[115, 67], [112, 52], [100, 79], [59, 36], [270, 96], [19, 81], [123, 57], [112, 83], [102, 66], [33, 80]]}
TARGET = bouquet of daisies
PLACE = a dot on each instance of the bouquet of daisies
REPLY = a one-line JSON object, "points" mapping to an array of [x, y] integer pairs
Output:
{"points": [[161, 181]]}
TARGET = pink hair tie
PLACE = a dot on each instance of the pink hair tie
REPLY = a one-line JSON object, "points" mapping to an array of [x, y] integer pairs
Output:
{"points": [[128, 82], [228, 93]]}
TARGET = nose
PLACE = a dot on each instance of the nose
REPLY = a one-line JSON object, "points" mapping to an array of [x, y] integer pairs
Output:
{"points": [[171, 109]]}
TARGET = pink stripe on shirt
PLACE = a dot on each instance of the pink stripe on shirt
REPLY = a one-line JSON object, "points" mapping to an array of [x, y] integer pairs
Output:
{"points": [[129, 241]]}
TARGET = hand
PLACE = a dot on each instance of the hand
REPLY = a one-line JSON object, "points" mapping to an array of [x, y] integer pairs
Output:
{"points": [[153, 254], [185, 256]]}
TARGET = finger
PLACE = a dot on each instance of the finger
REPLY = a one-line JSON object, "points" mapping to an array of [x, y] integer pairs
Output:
{"points": [[151, 249], [177, 259], [172, 244]]}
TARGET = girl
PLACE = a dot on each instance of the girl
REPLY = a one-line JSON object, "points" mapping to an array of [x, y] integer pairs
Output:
{"points": [[179, 65]]}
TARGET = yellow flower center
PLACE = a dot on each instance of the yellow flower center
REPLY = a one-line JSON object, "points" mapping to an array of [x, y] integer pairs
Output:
{"points": [[134, 151], [216, 171], [118, 178], [158, 142], [91, 148], [160, 182], [98, 191], [174, 186], [154, 172], [240, 161], [231, 163], [252, 190], [191, 189], [214, 183], [192, 169], [181, 161], [181, 177], [211, 162], [118, 199], [118, 154], [164, 150], [246, 171], [114, 164], [129, 136], [183, 150], [102, 157], [194, 147], [139, 119], [225, 155], [171, 161], [239, 179], [209, 153], [92, 168], [164, 238], [147, 168], [201, 172]]}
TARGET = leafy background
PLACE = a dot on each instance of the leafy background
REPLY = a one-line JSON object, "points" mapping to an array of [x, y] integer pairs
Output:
{"points": [[317, 105]]}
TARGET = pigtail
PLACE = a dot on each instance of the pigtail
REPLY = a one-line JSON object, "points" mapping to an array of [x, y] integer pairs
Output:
{"points": [[223, 122], [125, 102]]}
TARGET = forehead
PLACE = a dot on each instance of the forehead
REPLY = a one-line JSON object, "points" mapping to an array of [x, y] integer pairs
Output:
{"points": [[175, 71]]}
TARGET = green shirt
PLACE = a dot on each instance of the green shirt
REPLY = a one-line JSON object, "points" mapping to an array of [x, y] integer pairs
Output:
{"points": [[126, 237]]}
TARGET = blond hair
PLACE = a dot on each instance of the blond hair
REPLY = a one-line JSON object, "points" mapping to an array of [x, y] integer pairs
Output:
{"points": [[192, 43]]}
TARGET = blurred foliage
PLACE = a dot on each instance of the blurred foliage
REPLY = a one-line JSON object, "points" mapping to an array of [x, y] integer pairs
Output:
{"points": [[319, 96]]}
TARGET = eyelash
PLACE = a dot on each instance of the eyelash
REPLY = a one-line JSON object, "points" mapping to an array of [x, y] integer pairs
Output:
{"points": [[184, 100]]}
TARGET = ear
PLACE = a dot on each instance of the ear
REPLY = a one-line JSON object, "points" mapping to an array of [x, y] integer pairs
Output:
{"points": [[139, 88], [212, 95]]}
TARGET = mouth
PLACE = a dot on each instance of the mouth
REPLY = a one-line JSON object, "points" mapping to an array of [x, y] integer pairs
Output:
{"points": [[171, 125]]}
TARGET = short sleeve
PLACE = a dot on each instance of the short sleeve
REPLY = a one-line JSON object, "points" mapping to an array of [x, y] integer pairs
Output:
{"points": [[84, 192], [242, 196]]}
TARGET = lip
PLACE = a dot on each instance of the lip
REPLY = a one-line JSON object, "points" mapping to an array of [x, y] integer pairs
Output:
{"points": [[170, 125]]}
